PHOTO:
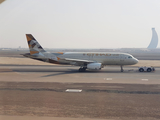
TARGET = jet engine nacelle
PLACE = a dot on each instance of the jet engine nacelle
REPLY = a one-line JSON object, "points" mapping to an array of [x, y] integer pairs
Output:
{"points": [[94, 66]]}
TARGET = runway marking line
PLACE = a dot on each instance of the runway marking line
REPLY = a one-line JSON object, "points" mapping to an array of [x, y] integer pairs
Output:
{"points": [[73, 90], [144, 79], [107, 78]]}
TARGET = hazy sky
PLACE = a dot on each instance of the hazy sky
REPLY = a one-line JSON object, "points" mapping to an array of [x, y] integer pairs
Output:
{"points": [[79, 23]]}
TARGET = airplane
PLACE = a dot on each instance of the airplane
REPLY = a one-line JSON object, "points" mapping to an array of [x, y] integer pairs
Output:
{"points": [[86, 60]]}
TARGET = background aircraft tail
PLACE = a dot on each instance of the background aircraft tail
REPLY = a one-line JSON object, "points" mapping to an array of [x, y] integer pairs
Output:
{"points": [[33, 45]]}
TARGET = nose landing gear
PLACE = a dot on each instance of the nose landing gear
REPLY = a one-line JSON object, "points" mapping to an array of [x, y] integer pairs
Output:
{"points": [[122, 68]]}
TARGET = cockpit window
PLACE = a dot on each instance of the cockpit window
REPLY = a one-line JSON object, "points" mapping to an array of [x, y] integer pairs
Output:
{"points": [[129, 57]]}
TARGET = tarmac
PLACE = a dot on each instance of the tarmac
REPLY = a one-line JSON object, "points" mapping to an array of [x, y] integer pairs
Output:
{"points": [[34, 91], [63, 74]]}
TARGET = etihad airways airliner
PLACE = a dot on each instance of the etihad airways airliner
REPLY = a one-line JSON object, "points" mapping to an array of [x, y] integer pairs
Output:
{"points": [[86, 60]]}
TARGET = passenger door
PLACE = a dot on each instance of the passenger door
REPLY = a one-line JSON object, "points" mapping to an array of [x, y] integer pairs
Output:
{"points": [[121, 58]]}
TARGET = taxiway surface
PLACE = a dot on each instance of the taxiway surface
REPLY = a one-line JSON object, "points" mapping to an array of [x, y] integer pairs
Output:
{"points": [[40, 90], [47, 73]]}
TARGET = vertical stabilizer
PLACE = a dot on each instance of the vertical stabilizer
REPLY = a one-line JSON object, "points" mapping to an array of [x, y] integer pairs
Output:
{"points": [[33, 45]]}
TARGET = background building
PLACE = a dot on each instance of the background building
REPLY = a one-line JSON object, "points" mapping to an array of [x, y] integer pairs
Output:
{"points": [[154, 41]]}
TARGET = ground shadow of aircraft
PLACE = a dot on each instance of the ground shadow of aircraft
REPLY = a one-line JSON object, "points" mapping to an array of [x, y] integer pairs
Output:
{"points": [[72, 71], [60, 70]]}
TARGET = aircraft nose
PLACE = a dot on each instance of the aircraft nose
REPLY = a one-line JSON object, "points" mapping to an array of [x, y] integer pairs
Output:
{"points": [[136, 60]]}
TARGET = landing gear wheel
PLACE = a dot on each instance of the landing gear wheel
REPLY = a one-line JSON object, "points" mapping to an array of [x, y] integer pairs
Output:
{"points": [[122, 69], [82, 69]]}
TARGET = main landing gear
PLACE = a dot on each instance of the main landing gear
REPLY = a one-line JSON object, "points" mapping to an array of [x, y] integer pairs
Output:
{"points": [[122, 68], [82, 69]]}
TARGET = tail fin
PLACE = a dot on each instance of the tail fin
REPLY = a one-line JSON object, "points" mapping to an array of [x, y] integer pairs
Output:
{"points": [[34, 46]]}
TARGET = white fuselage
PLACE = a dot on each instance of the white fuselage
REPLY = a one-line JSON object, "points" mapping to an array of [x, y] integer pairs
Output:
{"points": [[106, 58]]}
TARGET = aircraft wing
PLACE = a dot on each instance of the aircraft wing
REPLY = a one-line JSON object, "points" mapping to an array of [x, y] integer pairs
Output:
{"points": [[79, 60]]}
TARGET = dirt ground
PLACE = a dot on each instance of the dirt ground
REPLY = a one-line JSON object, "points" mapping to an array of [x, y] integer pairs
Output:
{"points": [[106, 101], [21, 61], [4, 117]]}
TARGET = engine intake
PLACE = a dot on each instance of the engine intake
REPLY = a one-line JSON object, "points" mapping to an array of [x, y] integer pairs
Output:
{"points": [[94, 66]]}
